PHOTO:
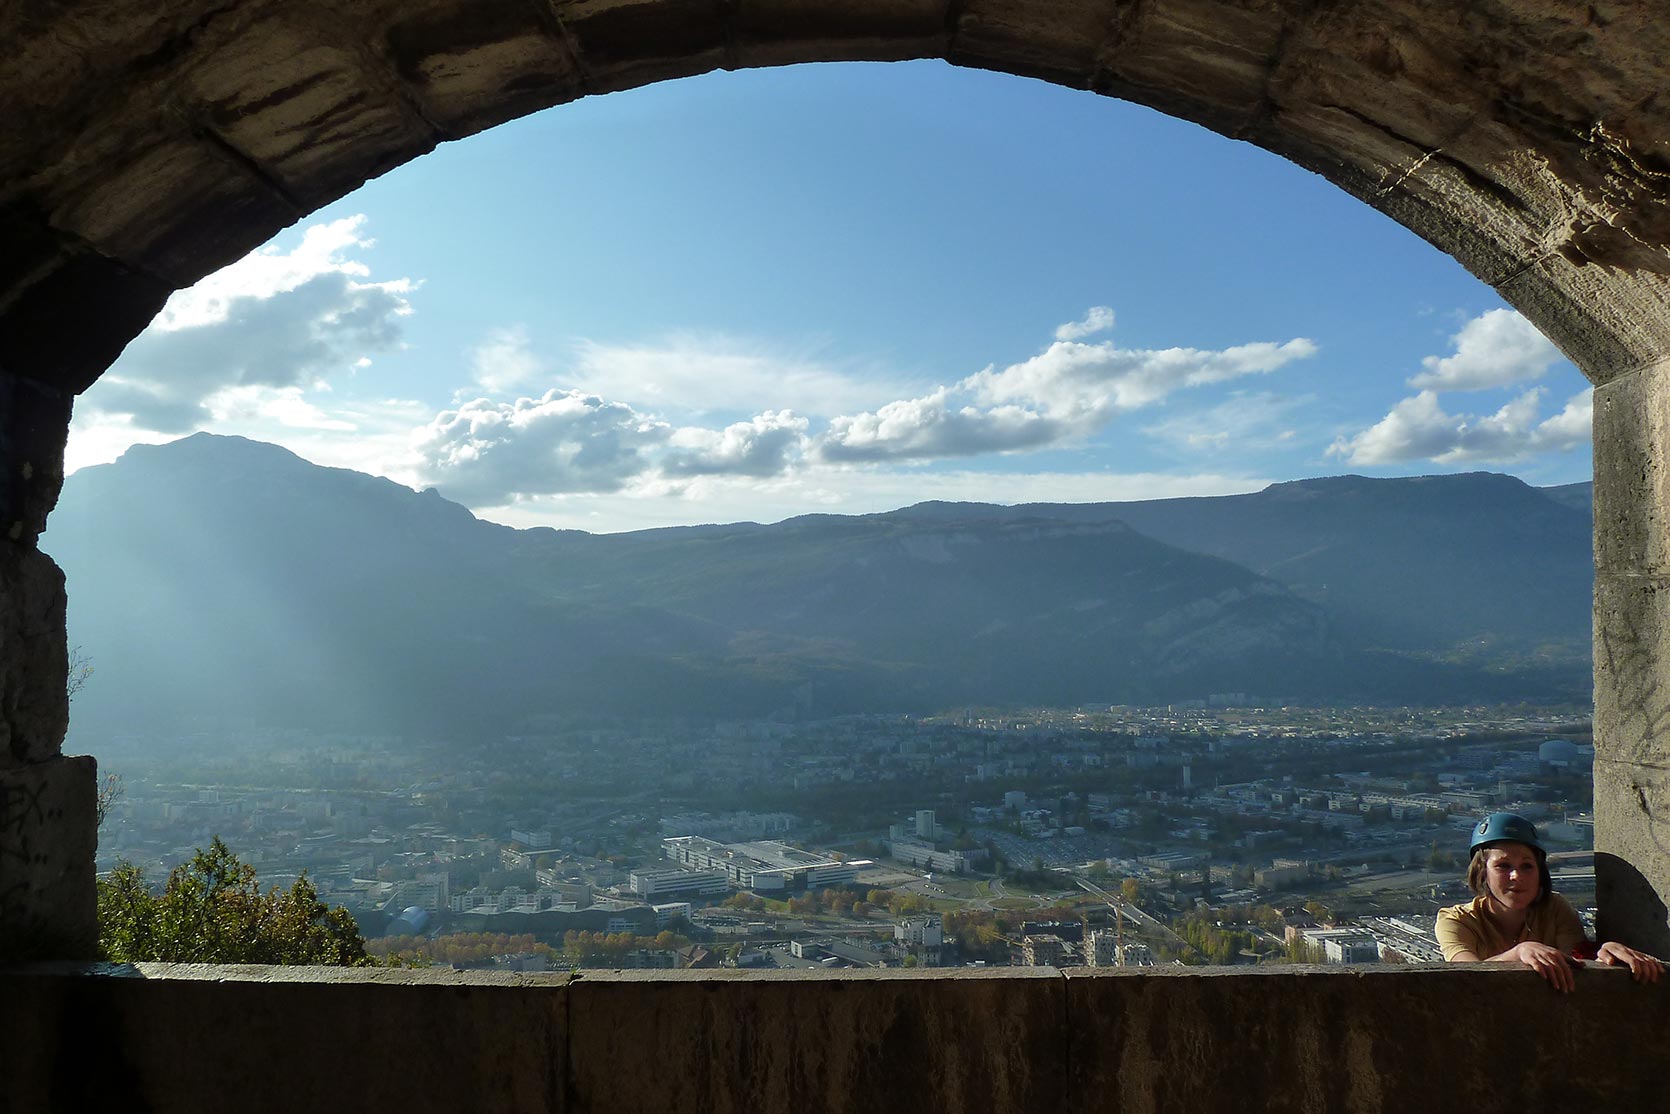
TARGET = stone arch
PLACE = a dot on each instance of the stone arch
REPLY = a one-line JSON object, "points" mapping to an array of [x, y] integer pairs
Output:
{"points": [[157, 142]]}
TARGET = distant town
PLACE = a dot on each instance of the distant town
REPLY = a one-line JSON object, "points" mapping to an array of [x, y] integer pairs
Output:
{"points": [[1213, 832]]}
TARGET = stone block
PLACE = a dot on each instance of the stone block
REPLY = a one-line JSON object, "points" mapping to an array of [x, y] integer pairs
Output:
{"points": [[1632, 473], [46, 331], [34, 704], [269, 1039], [31, 454], [48, 837], [812, 1042], [476, 66], [1056, 40], [1215, 57], [1607, 321], [1632, 854], [315, 110], [624, 44], [177, 207], [1375, 1038], [1632, 669], [787, 31]]}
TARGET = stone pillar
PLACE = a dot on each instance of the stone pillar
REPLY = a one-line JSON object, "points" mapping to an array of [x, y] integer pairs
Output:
{"points": [[1632, 657], [48, 833]]}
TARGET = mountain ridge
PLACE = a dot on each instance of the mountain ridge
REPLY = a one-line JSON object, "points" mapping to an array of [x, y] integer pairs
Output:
{"points": [[223, 578]]}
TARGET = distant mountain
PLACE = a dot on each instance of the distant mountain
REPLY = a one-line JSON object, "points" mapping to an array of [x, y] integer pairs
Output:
{"points": [[1578, 496], [217, 579], [1476, 567]]}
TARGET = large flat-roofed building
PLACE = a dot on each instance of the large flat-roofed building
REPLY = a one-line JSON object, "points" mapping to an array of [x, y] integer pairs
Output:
{"points": [[762, 865], [682, 883], [917, 853]]}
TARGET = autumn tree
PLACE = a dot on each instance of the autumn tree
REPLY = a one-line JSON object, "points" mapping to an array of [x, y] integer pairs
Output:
{"points": [[212, 910]]}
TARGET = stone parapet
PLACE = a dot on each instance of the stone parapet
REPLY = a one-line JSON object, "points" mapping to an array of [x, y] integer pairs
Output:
{"points": [[181, 1040]]}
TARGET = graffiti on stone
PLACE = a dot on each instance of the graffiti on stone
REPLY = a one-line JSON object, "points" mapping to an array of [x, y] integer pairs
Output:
{"points": [[19, 806]]}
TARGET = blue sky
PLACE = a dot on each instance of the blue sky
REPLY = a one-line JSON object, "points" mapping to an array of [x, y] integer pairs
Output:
{"points": [[847, 288]]}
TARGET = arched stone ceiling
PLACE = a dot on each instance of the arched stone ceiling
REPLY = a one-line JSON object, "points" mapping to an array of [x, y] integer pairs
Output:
{"points": [[152, 141]]}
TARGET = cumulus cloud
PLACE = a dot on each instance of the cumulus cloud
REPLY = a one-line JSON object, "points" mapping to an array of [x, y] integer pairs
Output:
{"points": [[1069, 390], [934, 426], [490, 453], [1099, 319], [766, 445], [1069, 379], [565, 442], [1418, 428], [1492, 350], [274, 321], [576, 441]]}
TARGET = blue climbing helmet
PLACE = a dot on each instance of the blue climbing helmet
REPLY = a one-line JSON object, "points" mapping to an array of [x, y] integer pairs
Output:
{"points": [[1505, 827]]}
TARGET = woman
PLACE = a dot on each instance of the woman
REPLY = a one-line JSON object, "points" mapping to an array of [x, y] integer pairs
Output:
{"points": [[1517, 917]]}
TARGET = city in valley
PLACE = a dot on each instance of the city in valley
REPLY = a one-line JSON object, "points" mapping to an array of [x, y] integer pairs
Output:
{"points": [[1203, 833]]}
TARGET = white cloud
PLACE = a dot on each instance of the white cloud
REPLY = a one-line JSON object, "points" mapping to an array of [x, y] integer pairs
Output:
{"points": [[267, 271], [1492, 350], [1099, 319], [274, 321], [1418, 428], [491, 453], [766, 445], [697, 374], [1095, 380], [1067, 391], [506, 361], [932, 427]]}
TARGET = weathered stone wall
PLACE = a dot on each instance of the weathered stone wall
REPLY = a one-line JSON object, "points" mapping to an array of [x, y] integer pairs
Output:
{"points": [[175, 1040], [154, 142], [149, 143], [1632, 657], [47, 832]]}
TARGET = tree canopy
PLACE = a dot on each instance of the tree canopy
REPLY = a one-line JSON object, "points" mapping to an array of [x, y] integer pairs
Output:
{"points": [[212, 910]]}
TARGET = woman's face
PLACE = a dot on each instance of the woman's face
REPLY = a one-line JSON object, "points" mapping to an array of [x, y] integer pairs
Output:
{"points": [[1511, 872]]}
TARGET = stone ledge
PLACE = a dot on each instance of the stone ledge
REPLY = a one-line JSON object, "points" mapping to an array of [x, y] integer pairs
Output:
{"points": [[177, 1038]]}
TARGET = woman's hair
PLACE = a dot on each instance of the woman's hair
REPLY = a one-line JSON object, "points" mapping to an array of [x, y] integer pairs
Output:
{"points": [[1476, 874]]}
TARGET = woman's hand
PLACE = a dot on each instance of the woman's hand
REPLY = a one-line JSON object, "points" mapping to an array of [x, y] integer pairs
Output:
{"points": [[1549, 962], [1642, 967]]}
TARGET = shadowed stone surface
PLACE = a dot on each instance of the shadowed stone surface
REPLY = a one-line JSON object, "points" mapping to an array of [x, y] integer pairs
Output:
{"points": [[189, 1039], [47, 840], [34, 703], [809, 1042], [1379, 1039], [160, 1037]]}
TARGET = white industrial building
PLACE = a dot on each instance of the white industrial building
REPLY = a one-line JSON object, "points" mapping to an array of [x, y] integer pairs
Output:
{"points": [[649, 884], [766, 865]]}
